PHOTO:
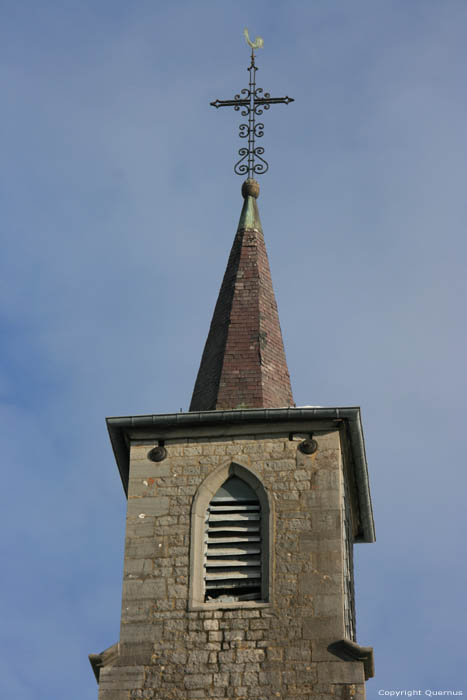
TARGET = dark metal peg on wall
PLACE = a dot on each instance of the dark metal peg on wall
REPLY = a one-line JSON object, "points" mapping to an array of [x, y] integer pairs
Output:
{"points": [[308, 446], [157, 454]]}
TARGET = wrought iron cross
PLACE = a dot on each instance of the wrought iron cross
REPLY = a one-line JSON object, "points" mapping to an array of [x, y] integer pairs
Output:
{"points": [[253, 102]]}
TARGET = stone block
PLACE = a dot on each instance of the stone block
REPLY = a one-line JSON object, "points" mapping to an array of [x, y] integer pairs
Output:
{"points": [[138, 567], [328, 440], [328, 480], [321, 498], [301, 653], [198, 680], [139, 452], [134, 654], [215, 636], [197, 657], [308, 543], [192, 450], [113, 694], [249, 655], [149, 506], [139, 527], [325, 605], [144, 468], [327, 523], [328, 562], [275, 653], [234, 635], [221, 679], [211, 625], [136, 612], [328, 459], [331, 626], [255, 635], [146, 548], [250, 678], [313, 583], [260, 624], [175, 625], [149, 588], [118, 674], [227, 656], [140, 632], [341, 672]]}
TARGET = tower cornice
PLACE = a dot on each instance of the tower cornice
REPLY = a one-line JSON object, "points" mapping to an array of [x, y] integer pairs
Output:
{"points": [[201, 423]]}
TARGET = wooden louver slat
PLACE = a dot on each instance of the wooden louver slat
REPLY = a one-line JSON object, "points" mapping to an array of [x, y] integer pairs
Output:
{"points": [[233, 544]]}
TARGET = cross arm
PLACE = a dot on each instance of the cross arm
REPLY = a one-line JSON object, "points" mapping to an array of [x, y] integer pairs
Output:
{"points": [[229, 103], [272, 100]]}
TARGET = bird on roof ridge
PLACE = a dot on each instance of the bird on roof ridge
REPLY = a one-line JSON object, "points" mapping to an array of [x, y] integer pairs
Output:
{"points": [[258, 43]]}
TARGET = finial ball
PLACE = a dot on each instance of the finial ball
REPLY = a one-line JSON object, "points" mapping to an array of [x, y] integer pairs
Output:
{"points": [[250, 188]]}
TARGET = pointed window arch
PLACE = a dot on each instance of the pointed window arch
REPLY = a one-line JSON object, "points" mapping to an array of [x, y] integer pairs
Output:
{"points": [[230, 554]]}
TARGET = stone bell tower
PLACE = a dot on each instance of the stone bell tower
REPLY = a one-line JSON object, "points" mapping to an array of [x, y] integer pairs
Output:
{"points": [[242, 516]]}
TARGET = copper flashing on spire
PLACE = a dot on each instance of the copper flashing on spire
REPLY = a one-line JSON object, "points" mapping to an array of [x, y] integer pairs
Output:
{"points": [[243, 363]]}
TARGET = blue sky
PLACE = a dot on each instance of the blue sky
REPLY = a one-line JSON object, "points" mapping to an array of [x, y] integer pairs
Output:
{"points": [[119, 206]]}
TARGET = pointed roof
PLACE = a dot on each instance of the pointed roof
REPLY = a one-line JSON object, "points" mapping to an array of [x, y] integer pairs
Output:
{"points": [[243, 363]]}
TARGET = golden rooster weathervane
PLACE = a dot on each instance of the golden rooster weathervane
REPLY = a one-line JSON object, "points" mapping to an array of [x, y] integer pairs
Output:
{"points": [[258, 43], [253, 103]]}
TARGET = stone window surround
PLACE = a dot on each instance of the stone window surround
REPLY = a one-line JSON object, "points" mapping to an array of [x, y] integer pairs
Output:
{"points": [[203, 497]]}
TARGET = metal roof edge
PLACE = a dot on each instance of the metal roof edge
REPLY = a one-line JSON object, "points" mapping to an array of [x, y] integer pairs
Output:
{"points": [[361, 474], [232, 415]]}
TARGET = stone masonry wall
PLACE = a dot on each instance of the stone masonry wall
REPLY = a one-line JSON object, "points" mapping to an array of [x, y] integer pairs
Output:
{"points": [[263, 652]]}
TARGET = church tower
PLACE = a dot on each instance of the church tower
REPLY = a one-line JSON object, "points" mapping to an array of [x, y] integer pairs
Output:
{"points": [[242, 513]]}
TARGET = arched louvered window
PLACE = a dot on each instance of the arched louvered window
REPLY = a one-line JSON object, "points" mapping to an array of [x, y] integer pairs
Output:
{"points": [[233, 546]]}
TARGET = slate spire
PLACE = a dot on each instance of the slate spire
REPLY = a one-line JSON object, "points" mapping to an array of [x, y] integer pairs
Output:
{"points": [[243, 363]]}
